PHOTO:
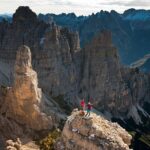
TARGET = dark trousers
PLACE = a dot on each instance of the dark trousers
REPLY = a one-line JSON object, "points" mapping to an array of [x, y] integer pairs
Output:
{"points": [[88, 113]]}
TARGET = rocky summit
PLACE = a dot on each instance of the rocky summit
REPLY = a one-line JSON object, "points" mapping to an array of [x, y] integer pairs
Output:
{"points": [[92, 133]]}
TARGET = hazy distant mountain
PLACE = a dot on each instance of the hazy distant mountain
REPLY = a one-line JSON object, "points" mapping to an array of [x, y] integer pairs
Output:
{"points": [[137, 15], [7, 17], [68, 20], [131, 30]]}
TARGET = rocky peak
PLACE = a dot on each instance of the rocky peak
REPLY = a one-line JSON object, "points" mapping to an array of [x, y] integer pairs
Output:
{"points": [[24, 14], [94, 133], [23, 60], [52, 49], [72, 15], [25, 103], [73, 39], [103, 39], [25, 77], [129, 11], [102, 69], [24, 107]]}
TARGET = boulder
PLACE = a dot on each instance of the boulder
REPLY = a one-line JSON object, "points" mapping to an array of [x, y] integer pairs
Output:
{"points": [[94, 132]]}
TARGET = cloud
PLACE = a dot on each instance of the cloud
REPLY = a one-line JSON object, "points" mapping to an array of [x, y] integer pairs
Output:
{"points": [[80, 7], [115, 2], [127, 3], [141, 3]]}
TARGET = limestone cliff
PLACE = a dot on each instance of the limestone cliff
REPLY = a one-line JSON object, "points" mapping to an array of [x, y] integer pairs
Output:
{"points": [[23, 107], [92, 133], [25, 97], [115, 90], [53, 48], [101, 72]]}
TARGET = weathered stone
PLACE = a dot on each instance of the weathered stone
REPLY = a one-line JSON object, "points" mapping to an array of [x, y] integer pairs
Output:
{"points": [[25, 102], [112, 135], [17, 145]]}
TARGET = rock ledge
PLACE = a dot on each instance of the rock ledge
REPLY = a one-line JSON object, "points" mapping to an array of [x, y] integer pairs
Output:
{"points": [[94, 133]]}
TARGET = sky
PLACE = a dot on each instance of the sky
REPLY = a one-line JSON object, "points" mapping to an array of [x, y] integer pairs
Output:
{"points": [[79, 7]]}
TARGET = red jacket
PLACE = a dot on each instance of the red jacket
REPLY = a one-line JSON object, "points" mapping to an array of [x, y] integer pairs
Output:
{"points": [[82, 103]]}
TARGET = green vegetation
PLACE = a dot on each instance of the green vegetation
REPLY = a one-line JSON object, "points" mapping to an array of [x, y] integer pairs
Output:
{"points": [[145, 139], [132, 133], [48, 142]]}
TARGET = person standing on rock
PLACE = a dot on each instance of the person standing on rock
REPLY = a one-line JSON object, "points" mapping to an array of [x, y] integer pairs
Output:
{"points": [[82, 103], [89, 108]]}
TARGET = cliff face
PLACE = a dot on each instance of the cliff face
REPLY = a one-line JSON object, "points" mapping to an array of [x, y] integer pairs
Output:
{"points": [[112, 87], [53, 48], [138, 84], [102, 72], [56, 70], [23, 107], [130, 30], [94, 133]]}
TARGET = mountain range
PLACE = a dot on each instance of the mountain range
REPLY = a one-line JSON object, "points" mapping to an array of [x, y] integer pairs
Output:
{"points": [[130, 30]]}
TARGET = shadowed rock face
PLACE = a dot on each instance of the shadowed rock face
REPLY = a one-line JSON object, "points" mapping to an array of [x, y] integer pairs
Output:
{"points": [[24, 14], [112, 87], [94, 133], [26, 83], [102, 79], [23, 60]]}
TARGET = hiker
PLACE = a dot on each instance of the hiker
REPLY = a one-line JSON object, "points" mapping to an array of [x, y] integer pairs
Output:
{"points": [[89, 108], [82, 103]]}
